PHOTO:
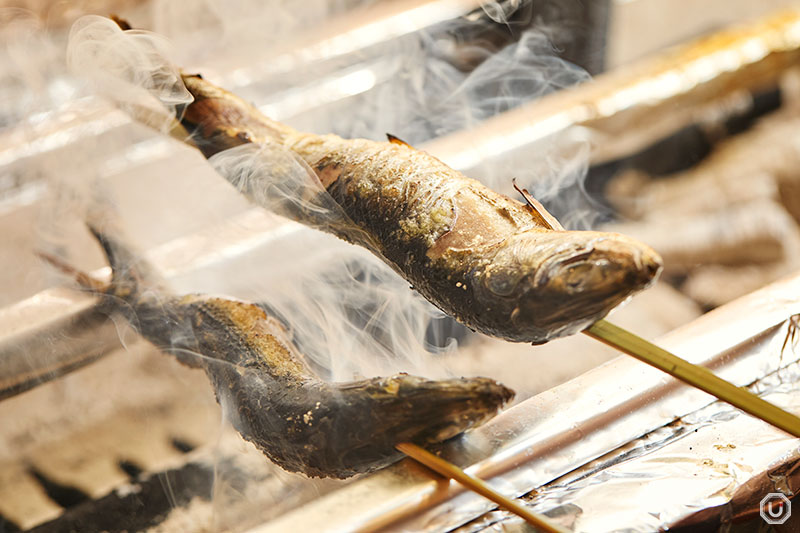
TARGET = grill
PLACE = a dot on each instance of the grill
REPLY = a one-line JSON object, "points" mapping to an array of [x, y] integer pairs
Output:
{"points": [[103, 433]]}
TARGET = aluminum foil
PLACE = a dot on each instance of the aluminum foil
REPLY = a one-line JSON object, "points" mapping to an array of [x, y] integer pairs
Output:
{"points": [[712, 467]]}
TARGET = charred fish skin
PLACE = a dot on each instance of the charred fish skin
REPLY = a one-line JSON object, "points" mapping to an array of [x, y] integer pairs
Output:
{"points": [[493, 263], [325, 430], [301, 423]]}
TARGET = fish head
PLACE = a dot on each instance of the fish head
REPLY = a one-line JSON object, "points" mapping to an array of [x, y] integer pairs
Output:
{"points": [[437, 410], [555, 286], [383, 412]]}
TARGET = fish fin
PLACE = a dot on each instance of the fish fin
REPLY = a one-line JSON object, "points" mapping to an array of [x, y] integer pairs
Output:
{"points": [[84, 279], [123, 24], [130, 274], [397, 140], [536, 207]]}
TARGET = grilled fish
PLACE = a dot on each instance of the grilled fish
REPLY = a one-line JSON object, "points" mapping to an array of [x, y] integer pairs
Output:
{"points": [[300, 422], [499, 266]]}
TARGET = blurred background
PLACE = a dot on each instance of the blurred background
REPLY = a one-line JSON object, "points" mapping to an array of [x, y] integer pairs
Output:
{"points": [[675, 122]]}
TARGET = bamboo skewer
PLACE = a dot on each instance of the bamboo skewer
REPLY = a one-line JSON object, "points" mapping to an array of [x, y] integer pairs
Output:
{"points": [[451, 471], [694, 375]]}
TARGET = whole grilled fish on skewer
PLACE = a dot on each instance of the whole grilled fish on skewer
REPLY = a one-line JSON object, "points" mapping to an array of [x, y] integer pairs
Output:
{"points": [[499, 266], [299, 421]]}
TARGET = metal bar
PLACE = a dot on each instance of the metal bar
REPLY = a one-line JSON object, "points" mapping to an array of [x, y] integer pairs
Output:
{"points": [[355, 31], [629, 108], [59, 330]]}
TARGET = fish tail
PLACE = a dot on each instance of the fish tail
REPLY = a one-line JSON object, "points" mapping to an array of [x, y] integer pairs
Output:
{"points": [[84, 279], [130, 275], [218, 120], [139, 294]]}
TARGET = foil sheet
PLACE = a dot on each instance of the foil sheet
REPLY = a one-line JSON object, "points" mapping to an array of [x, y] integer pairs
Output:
{"points": [[713, 467]]}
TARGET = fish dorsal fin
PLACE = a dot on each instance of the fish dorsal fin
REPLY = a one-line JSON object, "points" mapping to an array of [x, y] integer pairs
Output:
{"points": [[123, 24], [537, 208], [397, 140]]}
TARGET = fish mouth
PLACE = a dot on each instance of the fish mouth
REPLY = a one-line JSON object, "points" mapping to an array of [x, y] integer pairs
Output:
{"points": [[450, 417]]}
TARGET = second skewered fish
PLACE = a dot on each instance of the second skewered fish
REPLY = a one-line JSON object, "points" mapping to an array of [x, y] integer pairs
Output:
{"points": [[299, 421]]}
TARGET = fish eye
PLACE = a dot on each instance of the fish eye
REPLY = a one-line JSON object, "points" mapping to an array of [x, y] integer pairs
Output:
{"points": [[502, 283]]}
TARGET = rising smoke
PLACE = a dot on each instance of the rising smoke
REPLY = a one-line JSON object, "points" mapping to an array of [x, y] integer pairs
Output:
{"points": [[351, 314]]}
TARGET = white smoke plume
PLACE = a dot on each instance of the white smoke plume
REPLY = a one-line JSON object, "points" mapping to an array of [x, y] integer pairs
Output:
{"points": [[130, 67], [349, 313], [427, 96]]}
